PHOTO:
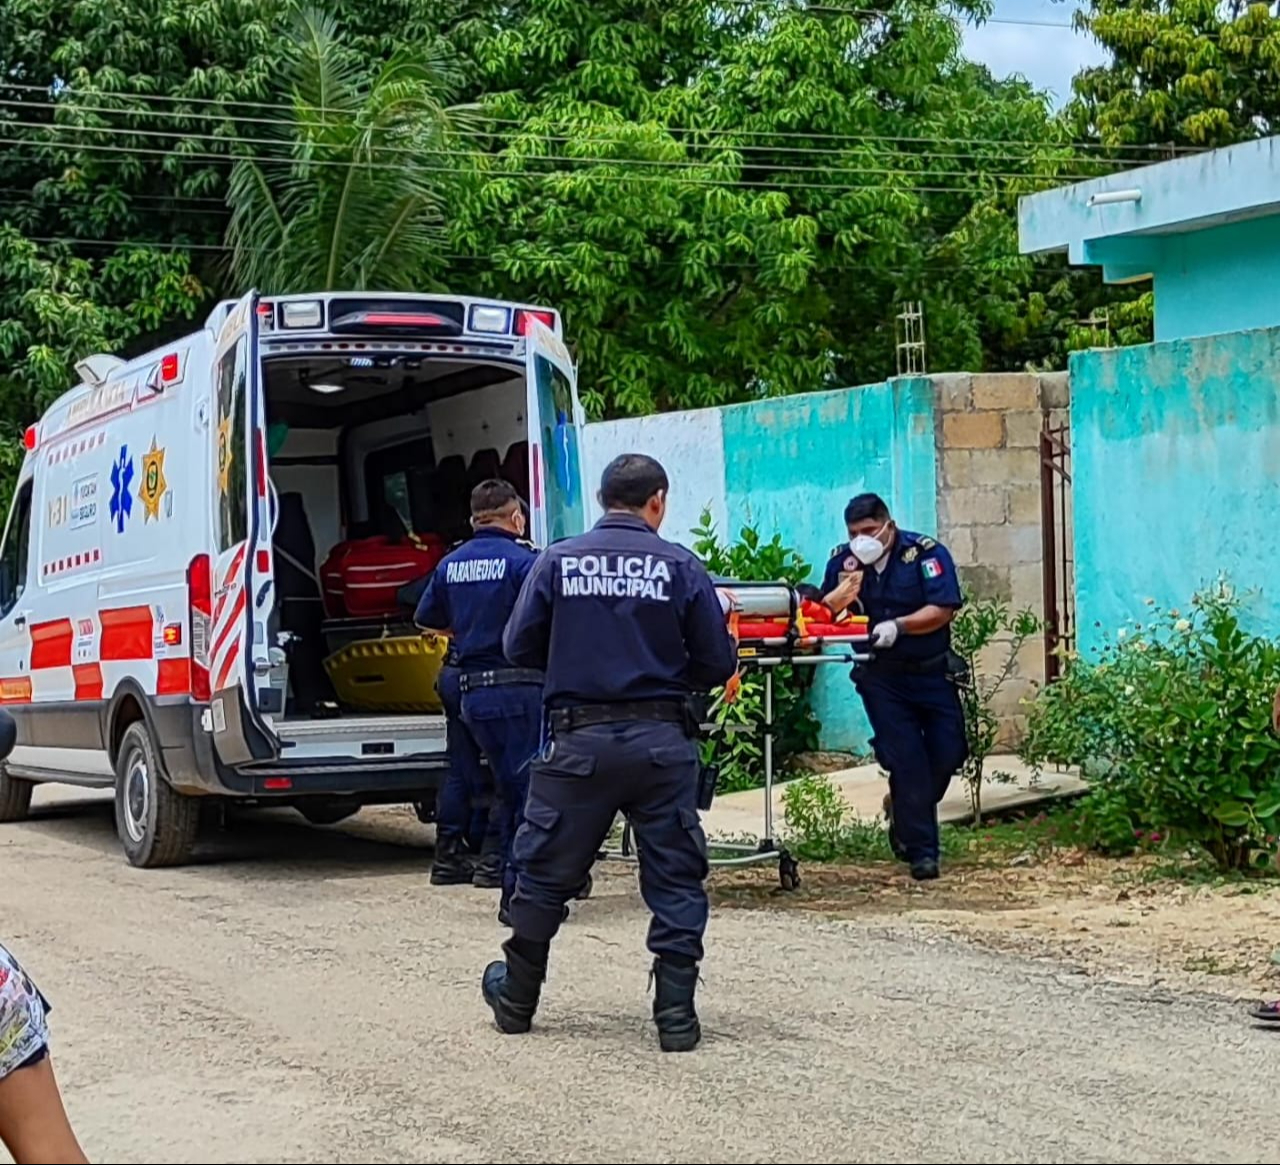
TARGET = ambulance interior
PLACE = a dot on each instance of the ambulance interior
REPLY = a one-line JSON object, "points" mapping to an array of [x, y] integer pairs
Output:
{"points": [[387, 448]]}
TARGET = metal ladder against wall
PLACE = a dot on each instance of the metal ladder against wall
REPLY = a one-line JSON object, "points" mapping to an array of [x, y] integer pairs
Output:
{"points": [[1056, 526]]}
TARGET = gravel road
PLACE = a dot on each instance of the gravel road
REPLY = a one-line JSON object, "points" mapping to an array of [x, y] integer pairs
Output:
{"points": [[304, 995]]}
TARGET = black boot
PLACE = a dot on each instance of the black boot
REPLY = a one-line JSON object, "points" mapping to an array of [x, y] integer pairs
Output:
{"points": [[453, 865], [673, 1011], [488, 870], [512, 988]]}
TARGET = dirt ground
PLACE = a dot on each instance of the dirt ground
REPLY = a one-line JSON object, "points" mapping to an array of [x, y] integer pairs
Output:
{"points": [[1119, 918], [304, 995]]}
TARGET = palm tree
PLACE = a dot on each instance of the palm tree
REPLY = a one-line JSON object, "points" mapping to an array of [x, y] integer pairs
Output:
{"points": [[347, 189]]}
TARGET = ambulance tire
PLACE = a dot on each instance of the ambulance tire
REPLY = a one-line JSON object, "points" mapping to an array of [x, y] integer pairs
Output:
{"points": [[15, 797], [156, 825]]}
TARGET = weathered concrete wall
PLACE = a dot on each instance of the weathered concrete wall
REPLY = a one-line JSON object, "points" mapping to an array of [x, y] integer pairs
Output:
{"points": [[1176, 455], [789, 465], [989, 503]]}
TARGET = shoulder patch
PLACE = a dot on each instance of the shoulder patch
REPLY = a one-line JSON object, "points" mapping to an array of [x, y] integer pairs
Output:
{"points": [[932, 568], [911, 554], [838, 549], [926, 543]]}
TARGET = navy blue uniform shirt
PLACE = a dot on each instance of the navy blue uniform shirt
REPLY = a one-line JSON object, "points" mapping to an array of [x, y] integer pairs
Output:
{"points": [[471, 593], [919, 573], [620, 614]]}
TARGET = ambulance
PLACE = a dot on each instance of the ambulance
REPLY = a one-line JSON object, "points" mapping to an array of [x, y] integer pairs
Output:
{"points": [[163, 617]]}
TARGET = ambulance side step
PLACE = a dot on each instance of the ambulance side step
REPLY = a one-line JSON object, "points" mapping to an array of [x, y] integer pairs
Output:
{"points": [[361, 737]]}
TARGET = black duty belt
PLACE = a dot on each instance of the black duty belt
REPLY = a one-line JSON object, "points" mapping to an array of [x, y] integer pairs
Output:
{"points": [[589, 715], [496, 677], [933, 666]]}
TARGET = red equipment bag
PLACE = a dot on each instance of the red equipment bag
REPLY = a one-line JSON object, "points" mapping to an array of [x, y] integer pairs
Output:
{"points": [[361, 578]]}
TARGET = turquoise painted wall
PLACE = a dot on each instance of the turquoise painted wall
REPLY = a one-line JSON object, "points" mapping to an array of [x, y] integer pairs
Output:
{"points": [[792, 463], [1176, 475]]}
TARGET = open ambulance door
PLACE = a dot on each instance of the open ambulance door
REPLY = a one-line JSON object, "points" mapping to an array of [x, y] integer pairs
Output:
{"points": [[239, 591], [557, 503]]}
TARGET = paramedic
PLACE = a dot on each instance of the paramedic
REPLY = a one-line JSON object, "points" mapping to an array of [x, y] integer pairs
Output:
{"points": [[498, 708], [630, 632], [909, 591]]}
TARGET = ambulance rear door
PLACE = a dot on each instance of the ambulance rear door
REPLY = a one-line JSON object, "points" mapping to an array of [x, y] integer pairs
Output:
{"points": [[556, 420], [242, 592]]}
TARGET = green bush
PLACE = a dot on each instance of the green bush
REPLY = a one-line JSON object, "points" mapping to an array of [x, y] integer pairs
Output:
{"points": [[819, 826], [737, 748], [1172, 726]]}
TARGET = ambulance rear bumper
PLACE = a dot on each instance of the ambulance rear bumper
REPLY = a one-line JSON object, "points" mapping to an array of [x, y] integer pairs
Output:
{"points": [[193, 767]]}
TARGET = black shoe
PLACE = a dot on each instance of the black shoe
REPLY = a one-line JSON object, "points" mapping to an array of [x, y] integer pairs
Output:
{"points": [[673, 1010], [453, 865], [488, 872], [925, 870], [512, 989]]}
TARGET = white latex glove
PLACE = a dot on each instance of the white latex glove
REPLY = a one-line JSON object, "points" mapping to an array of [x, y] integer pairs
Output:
{"points": [[884, 634]]}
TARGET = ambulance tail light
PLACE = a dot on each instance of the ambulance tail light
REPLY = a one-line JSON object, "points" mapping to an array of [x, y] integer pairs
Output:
{"points": [[546, 318], [200, 601], [29, 439]]}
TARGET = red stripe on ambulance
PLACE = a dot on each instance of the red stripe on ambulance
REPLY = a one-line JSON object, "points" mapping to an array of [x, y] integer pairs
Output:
{"points": [[126, 633], [88, 678], [174, 677], [227, 664], [51, 644]]}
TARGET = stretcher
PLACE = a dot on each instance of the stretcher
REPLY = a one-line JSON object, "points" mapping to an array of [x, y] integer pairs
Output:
{"points": [[774, 626]]}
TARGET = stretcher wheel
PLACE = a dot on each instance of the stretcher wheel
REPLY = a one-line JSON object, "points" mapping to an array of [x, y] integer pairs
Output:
{"points": [[788, 872]]}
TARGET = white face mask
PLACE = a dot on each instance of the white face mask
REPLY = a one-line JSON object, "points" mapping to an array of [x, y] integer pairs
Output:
{"points": [[867, 548]]}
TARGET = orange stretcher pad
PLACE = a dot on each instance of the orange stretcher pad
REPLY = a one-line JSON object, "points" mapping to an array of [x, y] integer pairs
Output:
{"points": [[813, 625]]}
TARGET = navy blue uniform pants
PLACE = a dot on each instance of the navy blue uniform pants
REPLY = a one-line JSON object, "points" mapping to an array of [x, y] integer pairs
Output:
{"points": [[464, 804], [920, 741], [647, 770], [506, 722]]}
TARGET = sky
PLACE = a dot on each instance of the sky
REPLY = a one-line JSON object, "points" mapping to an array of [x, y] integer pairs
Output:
{"points": [[1045, 53]]}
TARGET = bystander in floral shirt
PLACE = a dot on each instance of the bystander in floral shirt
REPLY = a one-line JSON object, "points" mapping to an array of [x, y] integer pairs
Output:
{"points": [[24, 1032]]}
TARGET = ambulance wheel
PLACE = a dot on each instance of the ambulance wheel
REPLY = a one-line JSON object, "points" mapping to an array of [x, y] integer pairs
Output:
{"points": [[156, 825], [15, 797]]}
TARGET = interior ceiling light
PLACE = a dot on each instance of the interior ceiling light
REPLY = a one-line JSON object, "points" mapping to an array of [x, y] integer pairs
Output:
{"points": [[327, 389]]}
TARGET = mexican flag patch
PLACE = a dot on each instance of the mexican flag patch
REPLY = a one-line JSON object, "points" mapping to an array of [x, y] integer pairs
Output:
{"points": [[932, 568]]}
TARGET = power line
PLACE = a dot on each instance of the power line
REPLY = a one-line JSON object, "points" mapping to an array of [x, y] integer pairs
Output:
{"points": [[516, 135], [708, 131], [122, 153], [430, 151]]}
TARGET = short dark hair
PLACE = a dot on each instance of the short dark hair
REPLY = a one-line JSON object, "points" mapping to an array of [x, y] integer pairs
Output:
{"points": [[492, 497], [630, 480], [866, 506]]}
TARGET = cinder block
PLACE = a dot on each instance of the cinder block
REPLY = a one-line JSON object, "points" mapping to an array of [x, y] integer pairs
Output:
{"points": [[1026, 581], [985, 581], [1006, 390], [1002, 467], [973, 430], [959, 541], [975, 506], [953, 391], [1006, 545], [1055, 390], [1022, 428], [1024, 503]]}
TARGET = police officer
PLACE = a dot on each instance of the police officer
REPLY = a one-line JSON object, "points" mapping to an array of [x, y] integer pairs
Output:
{"points": [[628, 628], [908, 588], [492, 709]]}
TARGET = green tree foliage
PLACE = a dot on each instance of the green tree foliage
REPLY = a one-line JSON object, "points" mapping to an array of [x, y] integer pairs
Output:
{"points": [[353, 208], [1183, 73]]}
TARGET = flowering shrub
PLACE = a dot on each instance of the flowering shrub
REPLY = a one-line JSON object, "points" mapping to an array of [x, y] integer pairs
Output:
{"points": [[1172, 726]]}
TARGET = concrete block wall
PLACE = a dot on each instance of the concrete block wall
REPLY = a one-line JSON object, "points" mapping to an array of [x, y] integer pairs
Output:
{"points": [[989, 503]]}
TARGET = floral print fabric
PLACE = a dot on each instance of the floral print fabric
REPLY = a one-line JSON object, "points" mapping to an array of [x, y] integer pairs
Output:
{"points": [[23, 1028]]}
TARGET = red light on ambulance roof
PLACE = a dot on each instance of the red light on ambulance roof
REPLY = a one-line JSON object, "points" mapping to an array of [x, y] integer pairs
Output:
{"points": [[169, 368], [388, 319], [29, 438], [547, 318]]}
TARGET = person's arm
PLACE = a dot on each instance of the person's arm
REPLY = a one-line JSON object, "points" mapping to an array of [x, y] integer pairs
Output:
{"points": [[432, 613], [526, 639], [713, 656], [837, 593]]}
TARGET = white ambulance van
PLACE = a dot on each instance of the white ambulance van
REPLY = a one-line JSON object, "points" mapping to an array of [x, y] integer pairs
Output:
{"points": [[143, 565]]}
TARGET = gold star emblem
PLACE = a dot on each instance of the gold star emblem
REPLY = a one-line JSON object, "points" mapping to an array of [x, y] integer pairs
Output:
{"points": [[224, 454], [151, 491], [911, 554]]}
